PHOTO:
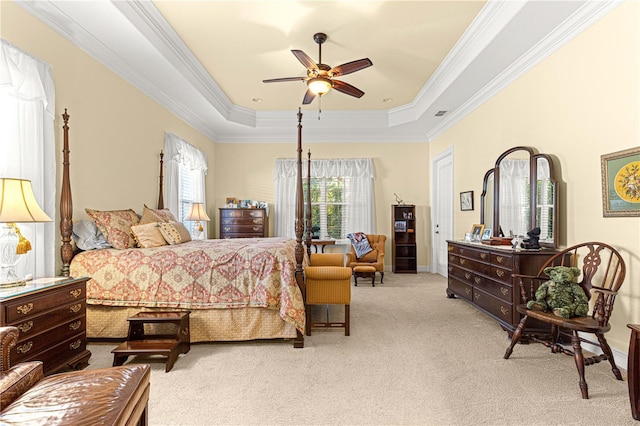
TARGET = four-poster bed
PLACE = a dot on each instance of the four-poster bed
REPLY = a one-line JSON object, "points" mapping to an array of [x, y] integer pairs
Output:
{"points": [[239, 289]]}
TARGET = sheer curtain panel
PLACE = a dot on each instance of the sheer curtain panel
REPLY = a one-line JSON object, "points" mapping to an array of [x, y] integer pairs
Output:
{"points": [[358, 193], [27, 111]]}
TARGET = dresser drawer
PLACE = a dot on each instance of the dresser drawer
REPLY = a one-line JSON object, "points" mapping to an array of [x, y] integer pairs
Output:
{"points": [[474, 253], [501, 274], [242, 221], [460, 288], [226, 236], [19, 309], [230, 213], [504, 261], [243, 229], [28, 346], [60, 355], [252, 214], [482, 268], [497, 307], [37, 324], [500, 290]]}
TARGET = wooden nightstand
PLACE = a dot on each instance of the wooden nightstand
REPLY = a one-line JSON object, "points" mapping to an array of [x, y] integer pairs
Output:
{"points": [[50, 316]]}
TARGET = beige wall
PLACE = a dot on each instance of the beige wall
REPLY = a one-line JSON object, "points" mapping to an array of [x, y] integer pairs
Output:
{"points": [[116, 132], [401, 168], [578, 104]]}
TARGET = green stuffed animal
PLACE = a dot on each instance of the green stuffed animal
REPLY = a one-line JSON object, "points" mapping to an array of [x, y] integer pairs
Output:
{"points": [[561, 294]]}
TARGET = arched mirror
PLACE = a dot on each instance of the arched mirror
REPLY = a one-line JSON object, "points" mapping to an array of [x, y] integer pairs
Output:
{"points": [[519, 194]]}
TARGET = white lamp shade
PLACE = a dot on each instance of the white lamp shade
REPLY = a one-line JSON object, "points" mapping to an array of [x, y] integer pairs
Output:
{"points": [[319, 85], [197, 213], [17, 202]]}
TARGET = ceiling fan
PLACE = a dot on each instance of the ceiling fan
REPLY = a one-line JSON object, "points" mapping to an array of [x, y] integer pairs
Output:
{"points": [[320, 77]]}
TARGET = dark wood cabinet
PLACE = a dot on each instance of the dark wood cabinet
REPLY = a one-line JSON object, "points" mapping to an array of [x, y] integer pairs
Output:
{"points": [[482, 275], [243, 223], [51, 320], [403, 240]]}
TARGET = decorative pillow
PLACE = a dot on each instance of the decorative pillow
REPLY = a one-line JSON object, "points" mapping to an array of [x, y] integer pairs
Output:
{"points": [[165, 214], [116, 225], [360, 243], [174, 232], [148, 235], [87, 236], [150, 216]]}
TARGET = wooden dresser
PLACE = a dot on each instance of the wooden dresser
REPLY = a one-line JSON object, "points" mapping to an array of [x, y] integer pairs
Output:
{"points": [[51, 320], [481, 275], [243, 223]]}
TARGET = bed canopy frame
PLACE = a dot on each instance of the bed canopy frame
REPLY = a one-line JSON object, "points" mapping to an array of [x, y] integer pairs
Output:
{"points": [[301, 221]]}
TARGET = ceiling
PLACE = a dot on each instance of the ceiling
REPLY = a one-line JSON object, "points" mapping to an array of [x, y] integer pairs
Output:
{"points": [[205, 60]]}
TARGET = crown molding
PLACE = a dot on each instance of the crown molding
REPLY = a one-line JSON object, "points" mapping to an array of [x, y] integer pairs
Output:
{"points": [[194, 95]]}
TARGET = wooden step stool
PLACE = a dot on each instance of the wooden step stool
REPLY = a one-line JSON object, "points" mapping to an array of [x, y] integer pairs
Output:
{"points": [[169, 345]]}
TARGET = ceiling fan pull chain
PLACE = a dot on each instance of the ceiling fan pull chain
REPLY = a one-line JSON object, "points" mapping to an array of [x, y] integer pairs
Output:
{"points": [[319, 107]]}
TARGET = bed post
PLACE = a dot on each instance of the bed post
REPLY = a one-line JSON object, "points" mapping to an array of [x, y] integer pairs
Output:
{"points": [[66, 205], [308, 216], [299, 251], [161, 189]]}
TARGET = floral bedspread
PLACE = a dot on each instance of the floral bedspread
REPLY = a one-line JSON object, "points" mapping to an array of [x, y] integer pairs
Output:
{"points": [[201, 274]]}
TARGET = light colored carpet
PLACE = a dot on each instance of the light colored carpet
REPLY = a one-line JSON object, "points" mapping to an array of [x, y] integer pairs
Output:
{"points": [[413, 357]]}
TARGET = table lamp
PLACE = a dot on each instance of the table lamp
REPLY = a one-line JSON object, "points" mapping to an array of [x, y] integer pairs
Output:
{"points": [[17, 204], [197, 214]]}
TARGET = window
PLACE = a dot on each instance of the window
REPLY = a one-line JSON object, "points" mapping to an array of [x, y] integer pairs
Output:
{"points": [[186, 167], [328, 208], [341, 196]]}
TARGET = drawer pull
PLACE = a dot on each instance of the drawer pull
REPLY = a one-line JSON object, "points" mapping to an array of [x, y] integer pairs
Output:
{"points": [[499, 259], [227, 221], [24, 327], [227, 229], [24, 309], [477, 280], [467, 275], [256, 221], [504, 310], [255, 214], [75, 308], [23, 349], [75, 345], [256, 228], [500, 273], [504, 291], [75, 293], [483, 256], [476, 295], [467, 290], [462, 261], [75, 325], [461, 250]]}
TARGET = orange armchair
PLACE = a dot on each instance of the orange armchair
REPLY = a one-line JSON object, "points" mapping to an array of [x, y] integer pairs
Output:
{"points": [[328, 282], [374, 258]]}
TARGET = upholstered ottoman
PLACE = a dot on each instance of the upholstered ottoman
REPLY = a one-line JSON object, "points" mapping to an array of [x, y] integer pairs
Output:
{"points": [[364, 272]]}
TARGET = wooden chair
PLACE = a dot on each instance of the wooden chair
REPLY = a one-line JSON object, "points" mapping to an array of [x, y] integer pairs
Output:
{"points": [[603, 271], [328, 282]]}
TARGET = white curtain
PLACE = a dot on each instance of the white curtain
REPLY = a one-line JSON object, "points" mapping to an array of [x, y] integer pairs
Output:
{"points": [[27, 109], [359, 194], [514, 196], [178, 154]]}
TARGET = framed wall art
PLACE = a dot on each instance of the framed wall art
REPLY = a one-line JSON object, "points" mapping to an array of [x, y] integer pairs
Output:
{"points": [[621, 183], [466, 200]]}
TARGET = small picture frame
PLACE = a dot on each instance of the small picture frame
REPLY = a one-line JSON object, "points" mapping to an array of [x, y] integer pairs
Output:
{"points": [[486, 234], [400, 226], [476, 231], [231, 200], [466, 201]]}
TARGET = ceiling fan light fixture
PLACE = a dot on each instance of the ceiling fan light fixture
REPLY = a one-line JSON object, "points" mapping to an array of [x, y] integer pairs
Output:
{"points": [[319, 85]]}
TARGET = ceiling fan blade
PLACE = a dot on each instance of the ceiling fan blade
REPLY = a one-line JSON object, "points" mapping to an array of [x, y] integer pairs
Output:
{"points": [[350, 67], [304, 59], [277, 80], [346, 88], [308, 97]]}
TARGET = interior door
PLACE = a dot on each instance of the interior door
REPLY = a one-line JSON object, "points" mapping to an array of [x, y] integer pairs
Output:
{"points": [[442, 209]]}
